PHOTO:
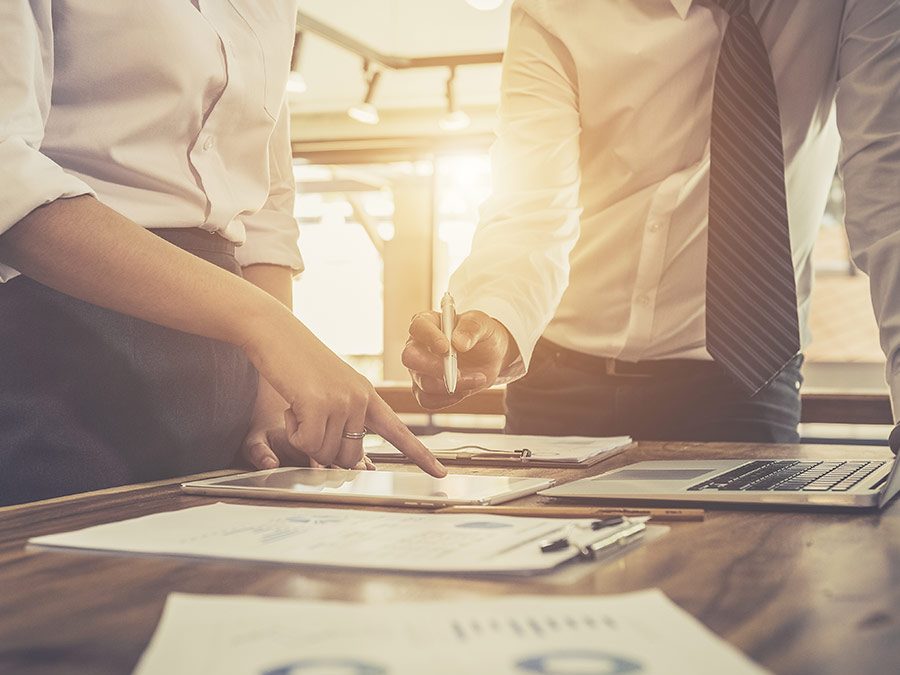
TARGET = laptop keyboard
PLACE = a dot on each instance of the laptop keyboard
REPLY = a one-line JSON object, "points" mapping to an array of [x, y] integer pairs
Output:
{"points": [[792, 476]]}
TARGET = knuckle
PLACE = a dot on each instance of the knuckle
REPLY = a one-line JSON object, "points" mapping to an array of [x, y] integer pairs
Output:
{"points": [[469, 324], [357, 399], [316, 400], [298, 441], [408, 358], [419, 323]]}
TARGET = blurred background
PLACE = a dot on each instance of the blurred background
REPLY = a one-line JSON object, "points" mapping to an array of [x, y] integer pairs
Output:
{"points": [[393, 107]]}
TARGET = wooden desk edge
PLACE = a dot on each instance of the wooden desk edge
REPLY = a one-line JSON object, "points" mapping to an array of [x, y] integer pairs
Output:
{"points": [[130, 487]]}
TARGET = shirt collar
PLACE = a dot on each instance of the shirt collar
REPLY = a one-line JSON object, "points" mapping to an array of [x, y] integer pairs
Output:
{"points": [[682, 7]]}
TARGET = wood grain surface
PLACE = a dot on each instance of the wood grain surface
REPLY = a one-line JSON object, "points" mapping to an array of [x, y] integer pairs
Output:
{"points": [[802, 593]]}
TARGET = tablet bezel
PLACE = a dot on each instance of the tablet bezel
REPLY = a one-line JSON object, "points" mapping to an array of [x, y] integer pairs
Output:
{"points": [[216, 487]]}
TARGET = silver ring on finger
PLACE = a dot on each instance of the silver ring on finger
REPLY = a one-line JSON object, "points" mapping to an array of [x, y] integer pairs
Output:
{"points": [[355, 435]]}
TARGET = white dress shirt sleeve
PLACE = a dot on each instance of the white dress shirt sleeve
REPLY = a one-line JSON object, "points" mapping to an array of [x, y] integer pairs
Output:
{"points": [[519, 264], [272, 231], [28, 179], [868, 115]]}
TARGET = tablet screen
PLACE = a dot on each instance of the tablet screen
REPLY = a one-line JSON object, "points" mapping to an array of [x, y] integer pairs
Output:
{"points": [[372, 486]]}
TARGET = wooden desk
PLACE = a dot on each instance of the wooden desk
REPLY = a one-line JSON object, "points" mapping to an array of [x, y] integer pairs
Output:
{"points": [[801, 593]]}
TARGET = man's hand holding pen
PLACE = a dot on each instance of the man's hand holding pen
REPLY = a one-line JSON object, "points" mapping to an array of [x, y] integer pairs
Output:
{"points": [[484, 349]]}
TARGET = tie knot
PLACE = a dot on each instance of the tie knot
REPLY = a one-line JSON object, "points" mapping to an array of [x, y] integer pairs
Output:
{"points": [[733, 6]]}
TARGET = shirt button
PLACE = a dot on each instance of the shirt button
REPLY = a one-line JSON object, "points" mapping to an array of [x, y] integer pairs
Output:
{"points": [[643, 300], [653, 227], [208, 143]]}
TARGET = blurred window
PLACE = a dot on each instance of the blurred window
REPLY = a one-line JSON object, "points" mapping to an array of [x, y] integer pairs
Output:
{"points": [[340, 296]]}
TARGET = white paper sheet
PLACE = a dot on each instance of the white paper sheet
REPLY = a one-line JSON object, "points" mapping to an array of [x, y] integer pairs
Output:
{"points": [[573, 449], [640, 633], [411, 542]]}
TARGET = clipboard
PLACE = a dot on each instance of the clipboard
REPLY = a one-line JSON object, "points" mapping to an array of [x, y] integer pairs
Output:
{"points": [[507, 450], [350, 539]]}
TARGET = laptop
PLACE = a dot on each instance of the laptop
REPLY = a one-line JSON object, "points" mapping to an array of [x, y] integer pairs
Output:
{"points": [[792, 482]]}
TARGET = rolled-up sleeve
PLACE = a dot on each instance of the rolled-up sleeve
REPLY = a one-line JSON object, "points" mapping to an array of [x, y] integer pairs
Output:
{"points": [[272, 231], [519, 264], [868, 115], [28, 178]]}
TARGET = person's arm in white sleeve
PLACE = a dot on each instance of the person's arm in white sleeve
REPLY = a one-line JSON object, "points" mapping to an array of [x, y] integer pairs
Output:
{"points": [[509, 287], [83, 248], [868, 115], [272, 231], [519, 264], [28, 179]]}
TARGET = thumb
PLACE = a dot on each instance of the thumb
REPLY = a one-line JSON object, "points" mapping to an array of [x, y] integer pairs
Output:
{"points": [[470, 329], [261, 456]]}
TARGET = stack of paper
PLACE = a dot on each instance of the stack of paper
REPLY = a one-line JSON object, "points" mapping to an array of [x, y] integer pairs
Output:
{"points": [[505, 448], [349, 538], [639, 634]]}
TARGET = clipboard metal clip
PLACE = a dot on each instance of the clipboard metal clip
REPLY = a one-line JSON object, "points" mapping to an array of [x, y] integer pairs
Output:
{"points": [[475, 451]]}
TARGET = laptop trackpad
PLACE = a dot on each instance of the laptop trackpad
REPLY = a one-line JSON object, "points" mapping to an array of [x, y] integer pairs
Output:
{"points": [[655, 474]]}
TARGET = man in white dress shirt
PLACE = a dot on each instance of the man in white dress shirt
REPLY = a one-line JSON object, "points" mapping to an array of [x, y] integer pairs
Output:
{"points": [[145, 168], [622, 149]]}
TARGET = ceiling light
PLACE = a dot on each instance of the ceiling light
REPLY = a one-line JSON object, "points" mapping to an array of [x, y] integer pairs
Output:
{"points": [[455, 119], [485, 5], [296, 84], [366, 112]]}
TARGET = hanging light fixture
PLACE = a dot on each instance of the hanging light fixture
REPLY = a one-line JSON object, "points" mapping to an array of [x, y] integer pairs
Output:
{"points": [[485, 5], [296, 84], [366, 112], [454, 119]]}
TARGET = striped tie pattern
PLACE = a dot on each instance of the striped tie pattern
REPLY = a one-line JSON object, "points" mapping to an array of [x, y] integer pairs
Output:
{"points": [[751, 297]]}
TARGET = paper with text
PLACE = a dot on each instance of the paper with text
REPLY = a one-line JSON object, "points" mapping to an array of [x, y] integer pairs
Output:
{"points": [[640, 633], [350, 538]]}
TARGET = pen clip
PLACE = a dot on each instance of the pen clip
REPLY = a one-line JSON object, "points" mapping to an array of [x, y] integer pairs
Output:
{"points": [[622, 537], [625, 528], [523, 453]]}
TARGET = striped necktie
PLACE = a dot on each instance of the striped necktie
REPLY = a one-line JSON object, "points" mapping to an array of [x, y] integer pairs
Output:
{"points": [[751, 297]]}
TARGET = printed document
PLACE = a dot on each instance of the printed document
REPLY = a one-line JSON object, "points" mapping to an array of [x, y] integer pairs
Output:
{"points": [[346, 538], [641, 633]]}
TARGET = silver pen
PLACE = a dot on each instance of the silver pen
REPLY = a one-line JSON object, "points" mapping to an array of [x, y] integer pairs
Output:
{"points": [[448, 323]]}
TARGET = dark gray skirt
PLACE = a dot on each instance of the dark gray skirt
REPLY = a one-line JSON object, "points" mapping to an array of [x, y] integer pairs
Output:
{"points": [[90, 398]]}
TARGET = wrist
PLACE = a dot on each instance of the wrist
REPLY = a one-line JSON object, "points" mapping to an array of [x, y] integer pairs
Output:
{"points": [[267, 397], [265, 320], [511, 353]]}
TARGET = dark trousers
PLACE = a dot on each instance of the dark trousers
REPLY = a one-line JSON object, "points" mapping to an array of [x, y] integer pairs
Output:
{"points": [[685, 401], [90, 398]]}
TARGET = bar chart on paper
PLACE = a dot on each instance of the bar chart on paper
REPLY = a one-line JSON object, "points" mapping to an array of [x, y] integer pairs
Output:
{"points": [[640, 633]]}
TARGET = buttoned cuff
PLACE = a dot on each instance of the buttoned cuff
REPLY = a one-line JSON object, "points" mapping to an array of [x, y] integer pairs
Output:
{"points": [[29, 179], [271, 240], [894, 384]]}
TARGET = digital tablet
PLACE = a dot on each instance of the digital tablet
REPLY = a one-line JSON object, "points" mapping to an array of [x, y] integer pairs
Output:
{"points": [[380, 488]]}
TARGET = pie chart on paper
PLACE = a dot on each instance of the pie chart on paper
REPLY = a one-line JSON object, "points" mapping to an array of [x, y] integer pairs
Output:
{"points": [[579, 662]]}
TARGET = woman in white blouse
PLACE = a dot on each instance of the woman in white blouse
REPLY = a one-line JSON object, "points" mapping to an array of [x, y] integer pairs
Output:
{"points": [[144, 169]]}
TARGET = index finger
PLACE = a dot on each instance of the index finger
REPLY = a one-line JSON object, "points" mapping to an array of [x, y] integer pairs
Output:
{"points": [[426, 328], [383, 421]]}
